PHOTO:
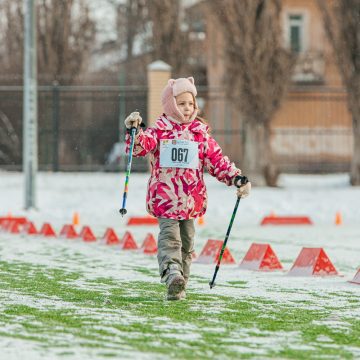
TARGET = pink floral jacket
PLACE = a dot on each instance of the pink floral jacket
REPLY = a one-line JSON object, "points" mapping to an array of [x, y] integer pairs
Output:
{"points": [[177, 193]]}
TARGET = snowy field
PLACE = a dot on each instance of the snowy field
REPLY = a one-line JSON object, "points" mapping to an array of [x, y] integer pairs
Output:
{"points": [[66, 299]]}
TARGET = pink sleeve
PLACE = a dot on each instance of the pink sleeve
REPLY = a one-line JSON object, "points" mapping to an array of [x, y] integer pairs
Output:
{"points": [[219, 165], [145, 142]]}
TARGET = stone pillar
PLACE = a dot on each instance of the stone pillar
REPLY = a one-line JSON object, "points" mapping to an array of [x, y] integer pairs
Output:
{"points": [[158, 74]]}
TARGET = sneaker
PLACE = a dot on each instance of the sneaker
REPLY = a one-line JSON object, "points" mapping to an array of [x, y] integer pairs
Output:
{"points": [[175, 282], [171, 270], [176, 286], [183, 295]]}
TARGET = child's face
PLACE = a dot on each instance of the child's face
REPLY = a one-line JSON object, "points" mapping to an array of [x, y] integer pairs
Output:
{"points": [[185, 103]]}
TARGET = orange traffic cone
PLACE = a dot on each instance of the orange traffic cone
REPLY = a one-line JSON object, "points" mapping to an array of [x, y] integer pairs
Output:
{"points": [[338, 218], [76, 219], [201, 220]]}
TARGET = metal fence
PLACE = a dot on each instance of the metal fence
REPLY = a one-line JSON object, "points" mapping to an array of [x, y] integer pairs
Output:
{"points": [[81, 128], [312, 132]]}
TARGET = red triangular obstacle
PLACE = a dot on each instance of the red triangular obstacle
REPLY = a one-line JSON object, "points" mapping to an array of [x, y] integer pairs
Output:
{"points": [[68, 232], [211, 252], [110, 237], [19, 219], [286, 220], [142, 220], [260, 257], [149, 245], [47, 230], [87, 234], [5, 224], [312, 261], [128, 242], [15, 227], [356, 279], [29, 228]]}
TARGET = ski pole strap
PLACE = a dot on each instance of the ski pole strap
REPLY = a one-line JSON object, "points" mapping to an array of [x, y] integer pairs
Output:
{"points": [[142, 125], [240, 180]]}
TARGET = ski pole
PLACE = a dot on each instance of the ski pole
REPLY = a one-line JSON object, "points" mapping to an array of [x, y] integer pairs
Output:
{"points": [[243, 180], [123, 211]]}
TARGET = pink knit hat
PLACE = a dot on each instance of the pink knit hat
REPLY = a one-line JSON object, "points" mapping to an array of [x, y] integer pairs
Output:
{"points": [[174, 88]]}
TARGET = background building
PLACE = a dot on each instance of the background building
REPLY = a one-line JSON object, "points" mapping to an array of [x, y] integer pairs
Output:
{"points": [[312, 130]]}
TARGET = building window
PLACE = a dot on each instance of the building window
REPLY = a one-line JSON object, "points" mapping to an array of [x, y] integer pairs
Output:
{"points": [[296, 33]]}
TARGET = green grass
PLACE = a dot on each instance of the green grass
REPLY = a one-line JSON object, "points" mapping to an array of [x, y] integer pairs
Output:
{"points": [[47, 307]]}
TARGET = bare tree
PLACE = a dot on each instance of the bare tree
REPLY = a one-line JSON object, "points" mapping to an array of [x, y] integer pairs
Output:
{"points": [[66, 35], [258, 71], [131, 26], [130, 22], [159, 28], [170, 38], [11, 38], [10, 150], [65, 38], [342, 25]]}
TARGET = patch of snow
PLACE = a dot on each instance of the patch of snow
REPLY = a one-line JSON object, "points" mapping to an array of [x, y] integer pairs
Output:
{"points": [[97, 199]]}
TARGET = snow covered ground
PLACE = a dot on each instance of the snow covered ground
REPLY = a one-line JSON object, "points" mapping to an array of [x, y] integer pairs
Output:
{"points": [[97, 198]]}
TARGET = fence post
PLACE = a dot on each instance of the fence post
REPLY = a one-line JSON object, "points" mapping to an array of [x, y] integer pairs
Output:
{"points": [[158, 73], [55, 119], [30, 108]]}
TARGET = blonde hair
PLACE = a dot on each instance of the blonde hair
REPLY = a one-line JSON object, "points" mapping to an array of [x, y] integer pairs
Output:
{"points": [[204, 122]]}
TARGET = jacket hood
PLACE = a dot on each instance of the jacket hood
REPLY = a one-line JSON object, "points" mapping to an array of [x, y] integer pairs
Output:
{"points": [[163, 123], [174, 88]]}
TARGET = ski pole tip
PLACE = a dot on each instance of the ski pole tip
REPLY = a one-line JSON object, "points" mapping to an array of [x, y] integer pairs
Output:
{"points": [[122, 211], [211, 284]]}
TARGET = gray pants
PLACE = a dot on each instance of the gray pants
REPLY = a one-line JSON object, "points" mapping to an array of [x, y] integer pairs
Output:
{"points": [[176, 245]]}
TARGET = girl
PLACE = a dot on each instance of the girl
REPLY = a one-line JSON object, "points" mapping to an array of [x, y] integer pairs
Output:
{"points": [[180, 147]]}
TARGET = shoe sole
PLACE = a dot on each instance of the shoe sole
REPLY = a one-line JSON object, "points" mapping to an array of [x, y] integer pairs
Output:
{"points": [[175, 289]]}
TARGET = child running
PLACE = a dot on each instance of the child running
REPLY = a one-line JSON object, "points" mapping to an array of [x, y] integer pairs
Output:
{"points": [[180, 147]]}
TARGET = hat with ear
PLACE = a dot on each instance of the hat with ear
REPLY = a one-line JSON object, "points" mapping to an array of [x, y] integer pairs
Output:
{"points": [[174, 88]]}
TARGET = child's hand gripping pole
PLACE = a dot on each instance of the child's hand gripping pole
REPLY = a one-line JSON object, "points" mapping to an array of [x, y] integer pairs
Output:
{"points": [[243, 180], [131, 122]]}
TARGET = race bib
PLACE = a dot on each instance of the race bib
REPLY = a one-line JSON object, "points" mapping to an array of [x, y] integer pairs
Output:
{"points": [[179, 153]]}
